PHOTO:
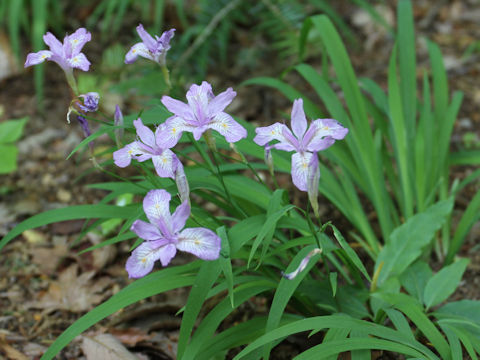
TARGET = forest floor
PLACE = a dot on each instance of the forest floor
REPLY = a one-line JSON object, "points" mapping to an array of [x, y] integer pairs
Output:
{"points": [[46, 285]]}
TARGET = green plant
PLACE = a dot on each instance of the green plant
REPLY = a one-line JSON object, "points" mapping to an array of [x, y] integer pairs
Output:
{"points": [[10, 132]]}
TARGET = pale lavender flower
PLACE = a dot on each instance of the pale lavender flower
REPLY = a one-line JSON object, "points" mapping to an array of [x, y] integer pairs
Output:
{"points": [[90, 102], [303, 264], [149, 146], [68, 55], [164, 235], [204, 111], [182, 183], [321, 134], [118, 121], [150, 48]]}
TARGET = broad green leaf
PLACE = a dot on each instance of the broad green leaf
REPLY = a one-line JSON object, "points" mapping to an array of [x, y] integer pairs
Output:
{"points": [[152, 284], [11, 130], [407, 241], [70, 213], [414, 312], [444, 283], [415, 277], [468, 309], [9, 158]]}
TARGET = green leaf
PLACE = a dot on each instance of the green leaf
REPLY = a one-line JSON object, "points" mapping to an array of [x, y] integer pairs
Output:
{"points": [[226, 261], [468, 309], [205, 279], [152, 284], [352, 255], [285, 290], [98, 211], [11, 130], [9, 158], [444, 283], [469, 217], [339, 322], [333, 282], [415, 278], [407, 241]]}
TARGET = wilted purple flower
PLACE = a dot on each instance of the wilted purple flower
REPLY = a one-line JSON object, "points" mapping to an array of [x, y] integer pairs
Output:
{"points": [[303, 264], [68, 55], [118, 121], [164, 237], [90, 102], [321, 134], [269, 159], [182, 183], [150, 48], [84, 125], [204, 111], [149, 146]]}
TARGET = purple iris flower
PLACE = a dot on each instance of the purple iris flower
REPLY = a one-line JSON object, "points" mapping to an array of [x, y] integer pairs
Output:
{"points": [[164, 235], [67, 55], [321, 134], [150, 48], [149, 146], [90, 102], [204, 111]]}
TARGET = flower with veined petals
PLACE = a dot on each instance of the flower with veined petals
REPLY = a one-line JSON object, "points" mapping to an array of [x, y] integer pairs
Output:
{"points": [[150, 145], [164, 235], [321, 134], [150, 48], [68, 55], [204, 111]]}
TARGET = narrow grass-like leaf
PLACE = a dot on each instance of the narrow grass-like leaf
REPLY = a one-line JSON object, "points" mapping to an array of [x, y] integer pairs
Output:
{"points": [[339, 322], [205, 279], [453, 341], [285, 290], [226, 262], [352, 255], [152, 284], [444, 283], [469, 217], [210, 323], [466, 157], [70, 213], [290, 92]]}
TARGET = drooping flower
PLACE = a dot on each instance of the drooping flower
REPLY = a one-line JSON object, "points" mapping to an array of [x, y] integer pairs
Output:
{"points": [[90, 102], [313, 179], [164, 236], [150, 48], [204, 111], [149, 145], [68, 55], [303, 264], [321, 134]]}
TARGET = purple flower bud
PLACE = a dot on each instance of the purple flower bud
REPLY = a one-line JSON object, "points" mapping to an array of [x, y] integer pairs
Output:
{"points": [[86, 129], [303, 264], [90, 102], [118, 121]]}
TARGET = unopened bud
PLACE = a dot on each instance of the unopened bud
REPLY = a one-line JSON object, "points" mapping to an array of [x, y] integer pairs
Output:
{"points": [[313, 179], [90, 102], [182, 183], [118, 121], [269, 159]]}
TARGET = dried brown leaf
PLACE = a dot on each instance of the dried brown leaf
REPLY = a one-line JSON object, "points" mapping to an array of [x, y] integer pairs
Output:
{"points": [[105, 347]]}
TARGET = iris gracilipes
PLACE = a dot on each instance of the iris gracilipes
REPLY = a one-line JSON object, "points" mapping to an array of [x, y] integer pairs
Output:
{"points": [[164, 235], [321, 134], [203, 112], [67, 55], [149, 145]]}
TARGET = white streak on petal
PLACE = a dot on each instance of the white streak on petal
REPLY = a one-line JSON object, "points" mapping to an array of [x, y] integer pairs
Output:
{"points": [[201, 242]]}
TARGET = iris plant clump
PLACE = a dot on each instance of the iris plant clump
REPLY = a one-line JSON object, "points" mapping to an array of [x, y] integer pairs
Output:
{"points": [[253, 223]]}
